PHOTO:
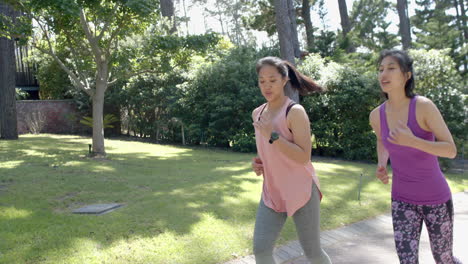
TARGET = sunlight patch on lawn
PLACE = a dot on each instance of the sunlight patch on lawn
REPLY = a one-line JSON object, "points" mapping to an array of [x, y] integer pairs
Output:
{"points": [[73, 163], [330, 167], [232, 168], [32, 152], [13, 213], [102, 168], [144, 149], [11, 164]]}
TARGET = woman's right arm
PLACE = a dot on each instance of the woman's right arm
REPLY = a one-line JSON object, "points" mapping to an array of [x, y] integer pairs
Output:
{"points": [[257, 164], [382, 153]]}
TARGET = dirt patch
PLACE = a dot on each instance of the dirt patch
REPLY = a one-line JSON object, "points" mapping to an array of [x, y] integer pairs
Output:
{"points": [[3, 188], [144, 187], [67, 196]]}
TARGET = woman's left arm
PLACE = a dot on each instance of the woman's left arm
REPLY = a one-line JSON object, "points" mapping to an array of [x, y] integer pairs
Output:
{"points": [[443, 147], [301, 148]]}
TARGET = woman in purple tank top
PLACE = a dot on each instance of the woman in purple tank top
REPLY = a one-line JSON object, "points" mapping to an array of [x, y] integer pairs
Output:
{"points": [[407, 127]]}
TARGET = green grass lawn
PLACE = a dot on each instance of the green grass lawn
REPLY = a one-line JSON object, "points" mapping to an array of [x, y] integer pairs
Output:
{"points": [[182, 204]]}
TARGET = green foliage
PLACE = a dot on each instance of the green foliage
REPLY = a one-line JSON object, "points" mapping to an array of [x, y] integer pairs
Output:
{"points": [[326, 44], [435, 28], [438, 79], [339, 117], [219, 101], [108, 120], [20, 94], [370, 28], [262, 17], [59, 29], [54, 81], [243, 143], [149, 102]]}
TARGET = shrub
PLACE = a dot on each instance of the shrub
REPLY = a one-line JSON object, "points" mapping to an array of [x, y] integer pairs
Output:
{"points": [[339, 117], [219, 100]]}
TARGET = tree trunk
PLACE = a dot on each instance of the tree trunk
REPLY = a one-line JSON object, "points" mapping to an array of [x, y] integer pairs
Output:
{"points": [[98, 124], [220, 18], [8, 122], [293, 25], [461, 22], [463, 19], [405, 32], [185, 18], [167, 10], [308, 24], [183, 133], [283, 25], [345, 24], [463, 29]]}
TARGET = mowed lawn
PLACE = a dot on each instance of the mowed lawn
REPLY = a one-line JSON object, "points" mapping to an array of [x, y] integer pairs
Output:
{"points": [[182, 204]]}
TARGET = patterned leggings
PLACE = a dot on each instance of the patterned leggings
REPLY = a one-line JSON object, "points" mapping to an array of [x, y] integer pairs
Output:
{"points": [[407, 226]]}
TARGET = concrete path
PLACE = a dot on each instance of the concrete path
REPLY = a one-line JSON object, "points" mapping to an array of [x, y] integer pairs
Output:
{"points": [[371, 241]]}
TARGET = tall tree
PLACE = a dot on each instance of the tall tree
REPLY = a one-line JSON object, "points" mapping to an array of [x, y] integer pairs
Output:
{"points": [[286, 36], [405, 32], [433, 26], [229, 14], [370, 26], [462, 27], [436, 28], [168, 10], [8, 122], [345, 24], [308, 24], [293, 25], [461, 17]]}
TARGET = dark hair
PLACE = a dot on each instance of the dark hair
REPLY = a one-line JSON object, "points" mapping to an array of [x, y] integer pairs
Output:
{"points": [[299, 81], [406, 65]]}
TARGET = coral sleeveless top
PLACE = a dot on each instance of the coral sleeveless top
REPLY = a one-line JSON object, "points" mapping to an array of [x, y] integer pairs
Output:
{"points": [[286, 183]]}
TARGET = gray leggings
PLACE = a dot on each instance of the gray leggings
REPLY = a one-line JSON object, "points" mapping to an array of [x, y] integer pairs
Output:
{"points": [[269, 223]]}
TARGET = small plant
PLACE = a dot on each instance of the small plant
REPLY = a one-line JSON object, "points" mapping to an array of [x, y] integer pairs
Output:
{"points": [[35, 122], [108, 120], [21, 95]]}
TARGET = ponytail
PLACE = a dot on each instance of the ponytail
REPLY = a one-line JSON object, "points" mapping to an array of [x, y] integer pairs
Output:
{"points": [[300, 82], [303, 84]]}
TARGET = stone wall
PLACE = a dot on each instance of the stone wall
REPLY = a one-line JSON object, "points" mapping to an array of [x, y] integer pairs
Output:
{"points": [[49, 116]]}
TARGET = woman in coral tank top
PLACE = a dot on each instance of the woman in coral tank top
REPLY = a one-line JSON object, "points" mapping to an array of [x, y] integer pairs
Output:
{"points": [[290, 186], [406, 126]]}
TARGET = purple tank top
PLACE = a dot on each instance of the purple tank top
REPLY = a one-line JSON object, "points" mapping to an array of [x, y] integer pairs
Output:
{"points": [[417, 177]]}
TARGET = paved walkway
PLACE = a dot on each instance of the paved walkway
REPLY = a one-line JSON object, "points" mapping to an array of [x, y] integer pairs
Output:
{"points": [[371, 241]]}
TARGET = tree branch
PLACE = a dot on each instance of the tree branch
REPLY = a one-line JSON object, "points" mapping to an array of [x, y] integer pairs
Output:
{"points": [[130, 75], [92, 41], [75, 81], [104, 29], [114, 35]]}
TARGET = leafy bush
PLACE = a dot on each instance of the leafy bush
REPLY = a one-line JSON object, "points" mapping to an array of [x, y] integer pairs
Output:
{"points": [[53, 80], [438, 79], [20, 94], [339, 117], [219, 101]]}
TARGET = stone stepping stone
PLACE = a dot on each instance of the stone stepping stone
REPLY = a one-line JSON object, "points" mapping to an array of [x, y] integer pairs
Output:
{"points": [[97, 209]]}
